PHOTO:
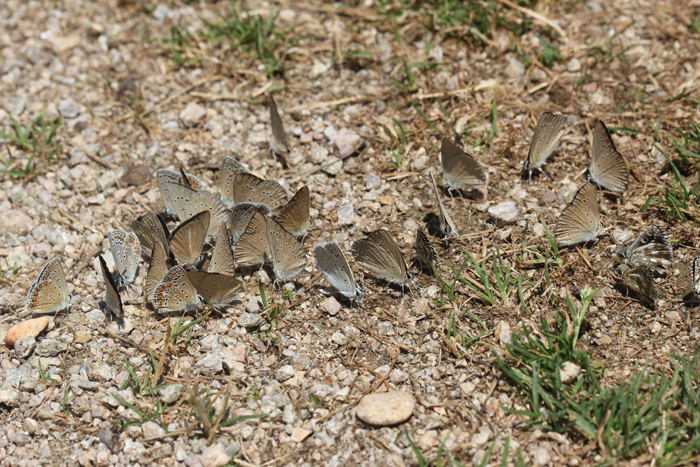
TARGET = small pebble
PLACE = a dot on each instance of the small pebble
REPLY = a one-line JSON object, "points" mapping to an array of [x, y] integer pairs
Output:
{"points": [[299, 434], [284, 373], [32, 327], [250, 320], [215, 456], [569, 372], [386, 408], [331, 306], [504, 213], [24, 347]]}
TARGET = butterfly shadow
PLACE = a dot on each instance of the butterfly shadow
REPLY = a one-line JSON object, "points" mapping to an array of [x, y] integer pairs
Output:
{"points": [[629, 293], [691, 300], [110, 316]]}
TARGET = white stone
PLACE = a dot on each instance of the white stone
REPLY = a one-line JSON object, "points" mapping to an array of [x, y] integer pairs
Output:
{"points": [[386, 408]]}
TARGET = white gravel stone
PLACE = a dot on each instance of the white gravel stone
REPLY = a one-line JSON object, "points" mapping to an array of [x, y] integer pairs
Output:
{"points": [[211, 364], [49, 348], [171, 393], [192, 114], [250, 320], [68, 108], [331, 306], [569, 372], [347, 141], [214, 456], [24, 347], [346, 214], [284, 373], [503, 213], [152, 430], [386, 408]]}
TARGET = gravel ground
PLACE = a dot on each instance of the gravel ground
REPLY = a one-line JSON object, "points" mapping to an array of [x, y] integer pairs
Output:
{"points": [[140, 86]]}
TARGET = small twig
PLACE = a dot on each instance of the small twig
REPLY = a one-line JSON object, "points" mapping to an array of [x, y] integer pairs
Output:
{"points": [[200, 411], [534, 15], [479, 87], [163, 355], [337, 102]]}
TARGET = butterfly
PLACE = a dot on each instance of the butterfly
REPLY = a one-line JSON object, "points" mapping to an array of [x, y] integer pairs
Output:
{"points": [[332, 263], [580, 221], [112, 302], [222, 256], [608, 168], [247, 188], [254, 245], [126, 250], [215, 289], [166, 178], [157, 269], [549, 130], [287, 254], [150, 229], [652, 248], [380, 255], [425, 251], [294, 216], [230, 167], [188, 202], [49, 293], [175, 292], [278, 140], [447, 226], [461, 171], [639, 280], [240, 218], [187, 241]]}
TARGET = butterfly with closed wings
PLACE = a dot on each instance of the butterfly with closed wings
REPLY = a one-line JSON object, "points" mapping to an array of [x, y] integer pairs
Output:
{"points": [[580, 221]]}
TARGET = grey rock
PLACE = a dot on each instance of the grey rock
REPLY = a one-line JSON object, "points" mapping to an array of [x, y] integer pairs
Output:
{"points": [[215, 456], [373, 181], [211, 364], [171, 393], [15, 221], [385, 328], [152, 430], [9, 396], [192, 114], [347, 141], [346, 214], [336, 427], [300, 361], [98, 371], [331, 306], [68, 108], [284, 373], [503, 213], [24, 347], [14, 377], [250, 320], [398, 376], [18, 438], [339, 338], [49, 348], [386, 408], [253, 305]]}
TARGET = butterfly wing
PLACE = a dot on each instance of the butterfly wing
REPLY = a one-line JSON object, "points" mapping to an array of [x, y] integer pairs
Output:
{"points": [[126, 250], [215, 289], [608, 168], [248, 188], [187, 240], [151, 228], [222, 257], [652, 248], [380, 255], [294, 216], [640, 280], [288, 256], [188, 202], [157, 269], [49, 293], [254, 245], [447, 226], [580, 221], [425, 251], [462, 171], [549, 130], [240, 218], [175, 292], [230, 167], [113, 302], [695, 275], [278, 141], [166, 178], [332, 263]]}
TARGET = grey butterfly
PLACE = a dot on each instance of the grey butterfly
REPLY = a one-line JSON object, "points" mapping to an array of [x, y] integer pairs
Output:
{"points": [[608, 168], [113, 302], [549, 130], [247, 188], [461, 171], [695, 275], [380, 255], [294, 216], [254, 245], [126, 250], [652, 248], [187, 241], [425, 251], [278, 140], [175, 292], [287, 254], [188, 202], [49, 293], [157, 269], [447, 226], [166, 178], [230, 167], [222, 256], [332, 263], [639, 280], [151, 228], [240, 218], [215, 289], [580, 221]]}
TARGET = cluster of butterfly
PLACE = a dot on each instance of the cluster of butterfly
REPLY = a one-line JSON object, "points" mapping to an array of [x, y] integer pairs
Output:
{"points": [[253, 223]]}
